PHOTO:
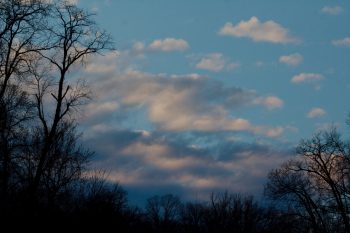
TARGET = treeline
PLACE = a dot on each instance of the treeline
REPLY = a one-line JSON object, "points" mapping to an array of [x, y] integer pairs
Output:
{"points": [[44, 170]]}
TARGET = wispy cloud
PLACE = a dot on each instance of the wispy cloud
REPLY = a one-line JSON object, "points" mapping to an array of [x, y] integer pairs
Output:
{"points": [[271, 102], [342, 42], [268, 31], [216, 62], [169, 45], [332, 10], [307, 77], [291, 59], [316, 112]]}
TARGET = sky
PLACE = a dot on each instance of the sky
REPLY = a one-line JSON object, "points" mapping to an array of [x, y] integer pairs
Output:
{"points": [[203, 96]]}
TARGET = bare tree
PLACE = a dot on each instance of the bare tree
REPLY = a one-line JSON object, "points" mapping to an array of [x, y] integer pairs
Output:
{"points": [[232, 213], [192, 217], [317, 181], [163, 212], [73, 36], [98, 198], [20, 24], [296, 189]]}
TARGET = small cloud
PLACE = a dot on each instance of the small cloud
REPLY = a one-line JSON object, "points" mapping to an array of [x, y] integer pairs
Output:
{"points": [[270, 102], [269, 31], [169, 45], [316, 112], [103, 64], [332, 10], [292, 59], [193, 76], [216, 62], [306, 77], [274, 132], [342, 42], [138, 46]]}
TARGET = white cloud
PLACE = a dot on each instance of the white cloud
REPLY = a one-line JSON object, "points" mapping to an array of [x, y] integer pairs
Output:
{"points": [[97, 111], [292, 59], [181, 102], [316, 112], [270, 102], [269, 31], [342, 42], [168, 45], [307, 77], [102, 64], [216, 62], [332, 10]]}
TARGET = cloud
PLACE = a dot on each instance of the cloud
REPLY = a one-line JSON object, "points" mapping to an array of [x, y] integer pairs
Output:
{"points": [[342, 42], [292, 59], [168, 45], [271, 102], [176, 102], [316, 112], [184, 103], [173, 133], [332, 10], [97, 112], [274, 132], [215, 62], [106, 64], [306, 77], [138, 46], [159, 161], [268, 31]]}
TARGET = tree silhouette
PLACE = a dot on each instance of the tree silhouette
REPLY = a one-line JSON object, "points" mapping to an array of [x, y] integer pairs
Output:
{"points": [[19, 27], [73, 36], [163, 212], [316, 182], [40, 156]]}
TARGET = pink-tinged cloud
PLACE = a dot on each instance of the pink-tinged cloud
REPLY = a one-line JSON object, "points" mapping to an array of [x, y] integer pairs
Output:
{"points": [[316, 112], [268, 31], [342, 42], [169, 45], [157, 161], [216, 62], [306, 77], [270, 102], [292, 59]]}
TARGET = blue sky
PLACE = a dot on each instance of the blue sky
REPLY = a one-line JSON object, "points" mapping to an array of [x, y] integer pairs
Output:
{"points": [[205, 95]]}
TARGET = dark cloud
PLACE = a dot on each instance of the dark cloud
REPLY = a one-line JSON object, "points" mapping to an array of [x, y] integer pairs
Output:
{"points": [[149, 163]]}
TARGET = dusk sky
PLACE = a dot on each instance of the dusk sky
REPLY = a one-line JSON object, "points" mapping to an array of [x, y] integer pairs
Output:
{"points": [[209, 95]]}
